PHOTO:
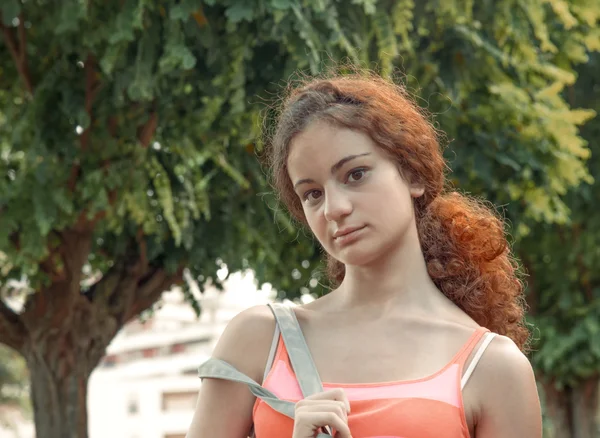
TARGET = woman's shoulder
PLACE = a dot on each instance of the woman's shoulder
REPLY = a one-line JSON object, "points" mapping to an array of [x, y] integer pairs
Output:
{"points": [[246, 341], [256, 318], [506, 389], [503, 362], [503, 357]]}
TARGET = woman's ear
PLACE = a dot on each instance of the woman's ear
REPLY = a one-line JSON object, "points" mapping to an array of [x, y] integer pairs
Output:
{"points": [[417, 190]]}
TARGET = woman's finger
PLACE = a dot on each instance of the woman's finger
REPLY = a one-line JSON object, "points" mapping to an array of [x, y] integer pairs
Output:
{"points": [[337, 407], [337, 394], [314, 420]]}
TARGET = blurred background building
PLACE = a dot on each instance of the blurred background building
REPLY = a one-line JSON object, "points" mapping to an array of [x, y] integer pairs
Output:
{"points": [[147, 385], [14, 423]]}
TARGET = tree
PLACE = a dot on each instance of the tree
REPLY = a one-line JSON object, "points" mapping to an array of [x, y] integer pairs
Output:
{"points": [[128, 140], [563, 260]]}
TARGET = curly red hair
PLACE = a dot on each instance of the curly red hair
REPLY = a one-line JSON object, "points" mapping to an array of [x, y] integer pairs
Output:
{"points": [[463, 241]]}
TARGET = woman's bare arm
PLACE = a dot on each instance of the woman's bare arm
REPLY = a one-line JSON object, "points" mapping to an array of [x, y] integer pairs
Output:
{"points": [[507, 393], [224, 409]]}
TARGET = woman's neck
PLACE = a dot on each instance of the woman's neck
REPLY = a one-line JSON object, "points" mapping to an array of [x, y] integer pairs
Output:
{"points": [[399, 280]]}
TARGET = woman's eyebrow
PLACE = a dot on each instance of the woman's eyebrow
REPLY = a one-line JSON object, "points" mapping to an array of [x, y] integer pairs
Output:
{"points": [[344, 160], [334, 168]]}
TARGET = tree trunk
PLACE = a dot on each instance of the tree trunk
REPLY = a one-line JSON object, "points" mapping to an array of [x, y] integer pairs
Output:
{"points": [[63, 348], [585, 409], [60, 358], [59, 402], [557, 410], [63, 332], [573, 411]]}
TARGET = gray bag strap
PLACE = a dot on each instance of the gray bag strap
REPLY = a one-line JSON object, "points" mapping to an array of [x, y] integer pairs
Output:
{"points": [[219, 369], [298, 352]]}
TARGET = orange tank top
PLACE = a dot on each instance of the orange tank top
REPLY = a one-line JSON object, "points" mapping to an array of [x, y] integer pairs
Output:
{"points": [[429, 407]]}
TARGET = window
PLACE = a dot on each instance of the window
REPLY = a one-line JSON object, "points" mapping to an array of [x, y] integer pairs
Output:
{"points": [[109, 361], [177, 348], [132, 406], [149, 352], [163, 350], [179, 401], [131, 356]]}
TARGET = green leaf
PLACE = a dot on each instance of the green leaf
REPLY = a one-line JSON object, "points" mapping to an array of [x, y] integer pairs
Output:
{"points": [[183, 9], [239, 11], [281, 4], [83, 118], [369, 6], [10, 10], [111, 57], [70, 14]]}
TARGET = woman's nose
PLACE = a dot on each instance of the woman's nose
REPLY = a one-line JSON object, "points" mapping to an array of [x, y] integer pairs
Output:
{"points": [[337, 206]]}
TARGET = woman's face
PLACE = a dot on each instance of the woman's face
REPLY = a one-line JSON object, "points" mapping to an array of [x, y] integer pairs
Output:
{"points": [[354, 199]]}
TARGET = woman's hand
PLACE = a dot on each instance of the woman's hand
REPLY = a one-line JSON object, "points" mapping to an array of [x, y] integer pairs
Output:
{"points": [[328, 408]]}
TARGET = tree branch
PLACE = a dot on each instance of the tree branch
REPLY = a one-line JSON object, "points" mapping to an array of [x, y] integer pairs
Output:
{"points": [[150, 289], [117, 288], [146, 131], [73, 175], [200, 17], [12, 330], [584, 272], [143, 250], [112, 125], [10, 40], [152, 282], [91, 90], [86, 225], [53, 305], [22, 40], [15, 239], [18, 51], [531, 298], [49, 267]]}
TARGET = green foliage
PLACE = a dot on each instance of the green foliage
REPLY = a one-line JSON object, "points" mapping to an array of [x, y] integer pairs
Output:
{"points": [[141, 117], [100, 73], [563, 261], [513, 139]]}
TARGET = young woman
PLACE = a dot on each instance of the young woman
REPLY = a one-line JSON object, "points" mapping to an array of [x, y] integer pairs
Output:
{"points": [[423, 334]]}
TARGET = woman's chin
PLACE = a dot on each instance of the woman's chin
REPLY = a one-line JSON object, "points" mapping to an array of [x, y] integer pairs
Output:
{"points": [[359, 257]]}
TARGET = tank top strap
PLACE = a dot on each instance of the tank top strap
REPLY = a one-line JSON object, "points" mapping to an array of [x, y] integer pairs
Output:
{"points": [[465, 352]]}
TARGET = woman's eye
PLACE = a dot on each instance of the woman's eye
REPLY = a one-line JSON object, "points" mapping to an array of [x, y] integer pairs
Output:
{"points": [[312, 195], [356, 175]]}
